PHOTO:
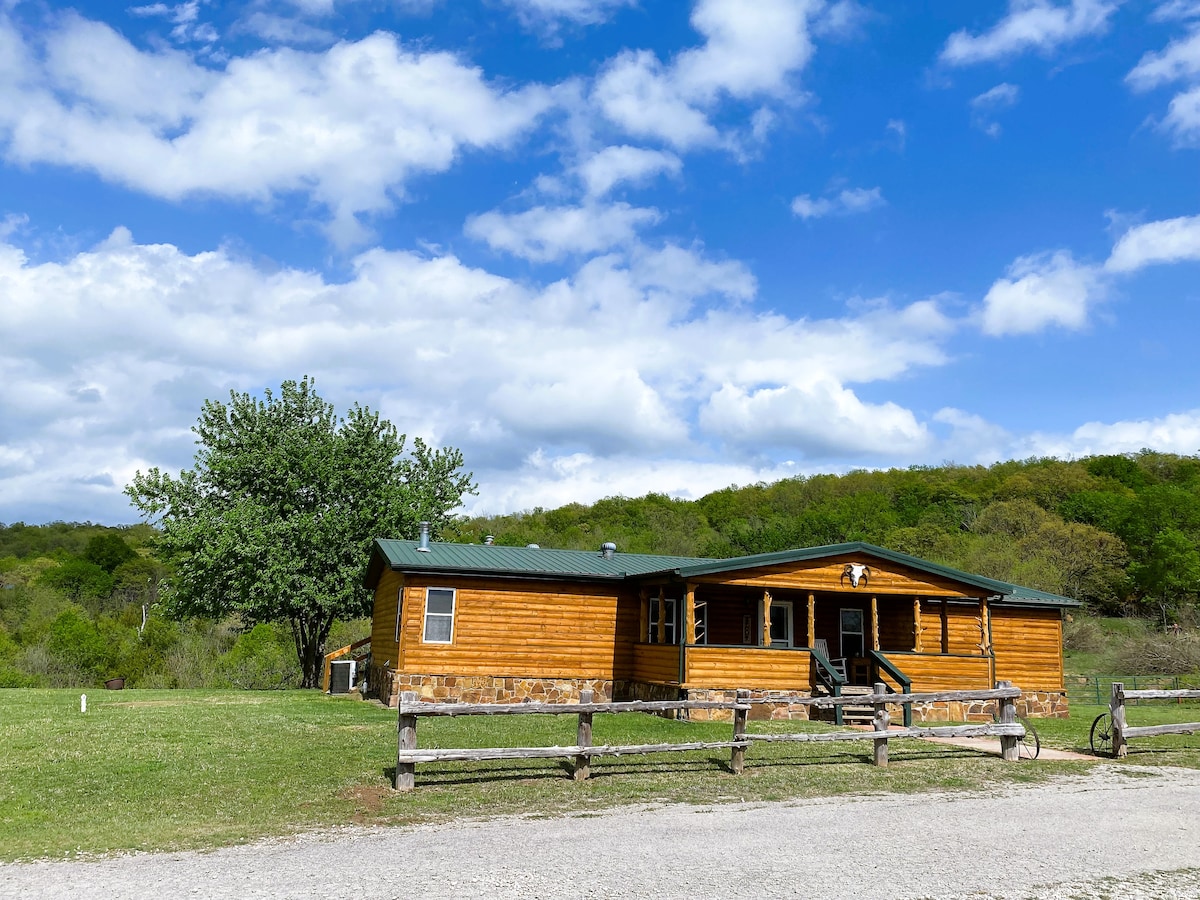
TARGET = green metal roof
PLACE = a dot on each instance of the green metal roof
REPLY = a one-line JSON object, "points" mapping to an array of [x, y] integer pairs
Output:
{"points": [[482, 559], [492, 559]]}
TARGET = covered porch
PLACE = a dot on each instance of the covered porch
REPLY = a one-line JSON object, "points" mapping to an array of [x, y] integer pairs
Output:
{"points": [[719, 636]]}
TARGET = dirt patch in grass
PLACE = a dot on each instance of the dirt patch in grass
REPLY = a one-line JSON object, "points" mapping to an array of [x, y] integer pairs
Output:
{"points": [[368, 801]]}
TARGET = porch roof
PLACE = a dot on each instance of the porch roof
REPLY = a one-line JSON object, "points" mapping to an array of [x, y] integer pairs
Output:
{"points": [[534, 562], [1007, 592]]}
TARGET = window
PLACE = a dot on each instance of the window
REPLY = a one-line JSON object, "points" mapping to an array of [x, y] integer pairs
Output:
{"points": [[781, 623], [853, 642], [439, 615], [669, 608]]}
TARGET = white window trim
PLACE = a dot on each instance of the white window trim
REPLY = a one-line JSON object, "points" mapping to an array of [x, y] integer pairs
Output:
{"points": [[425, 639]]}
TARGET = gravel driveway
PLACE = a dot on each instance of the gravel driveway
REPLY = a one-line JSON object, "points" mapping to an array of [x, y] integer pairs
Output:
{"points": [[1119, 832]]}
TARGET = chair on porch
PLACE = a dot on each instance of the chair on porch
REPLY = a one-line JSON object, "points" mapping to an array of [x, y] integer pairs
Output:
{"points": [[839, 664]]}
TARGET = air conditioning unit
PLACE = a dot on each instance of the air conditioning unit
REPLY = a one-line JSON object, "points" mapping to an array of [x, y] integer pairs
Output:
{"points": [[342, 676]]}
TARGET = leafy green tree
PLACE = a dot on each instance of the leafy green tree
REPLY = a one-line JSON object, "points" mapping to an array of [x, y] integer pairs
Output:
{"points": [[108, 550], [1170, 572], [275, 519], [79, 579]]}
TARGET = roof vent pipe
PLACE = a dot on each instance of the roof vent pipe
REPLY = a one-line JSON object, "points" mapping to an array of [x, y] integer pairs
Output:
{"points": [[608, 549], [423, 547], [532, 547], [489, 540]]}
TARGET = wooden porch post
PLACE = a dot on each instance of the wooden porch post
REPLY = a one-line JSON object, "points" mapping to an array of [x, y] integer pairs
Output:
{"points": [[662, 617], [689, 603], [983, 626], [766, 619], [643, 615], [874, 622], [918, 644], [812, 619]]}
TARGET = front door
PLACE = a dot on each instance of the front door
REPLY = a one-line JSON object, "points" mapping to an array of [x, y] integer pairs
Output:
{"points": [[781, 624], [853, 644]]}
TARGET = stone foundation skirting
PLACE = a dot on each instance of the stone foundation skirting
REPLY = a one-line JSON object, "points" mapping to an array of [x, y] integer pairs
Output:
{"points": [[488, 688], [776, 705], [1033, 704]]}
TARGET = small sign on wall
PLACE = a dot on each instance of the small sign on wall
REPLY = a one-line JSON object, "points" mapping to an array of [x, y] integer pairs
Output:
{"points": [[747, 630]]}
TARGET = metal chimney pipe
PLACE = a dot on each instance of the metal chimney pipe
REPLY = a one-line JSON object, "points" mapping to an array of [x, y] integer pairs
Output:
{"points": [[423, 547], [608, 549]]}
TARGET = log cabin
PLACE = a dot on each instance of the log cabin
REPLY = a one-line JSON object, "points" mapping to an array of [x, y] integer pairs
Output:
{"points": [[484, 623]]}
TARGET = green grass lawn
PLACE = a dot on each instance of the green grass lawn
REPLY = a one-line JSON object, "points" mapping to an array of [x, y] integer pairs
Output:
{"points": [[183, 769]]}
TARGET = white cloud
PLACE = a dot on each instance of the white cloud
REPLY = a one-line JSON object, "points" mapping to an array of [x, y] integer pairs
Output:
{"points": [[638, 93], [985, 106], [1183, 116], [348, 127], [1176, 10], [846, 202], [821, 419], [749, 50], [1039, 25], [598, 377], [546, 233], [1179, 61], [547, 14], [841, 19], [1040, 291], [1165, 241], [1173, 433], [603, 171]]}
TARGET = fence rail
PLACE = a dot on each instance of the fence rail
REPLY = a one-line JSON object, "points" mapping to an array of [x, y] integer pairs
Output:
{"points": [[408, 755], [1122, 733]]}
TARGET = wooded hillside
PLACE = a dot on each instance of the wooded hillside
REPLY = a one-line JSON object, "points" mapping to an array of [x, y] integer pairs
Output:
{"points": [[1121, 533]]}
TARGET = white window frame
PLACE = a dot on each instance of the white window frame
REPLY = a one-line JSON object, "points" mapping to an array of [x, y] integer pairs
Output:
{"points": [[425, 639]]}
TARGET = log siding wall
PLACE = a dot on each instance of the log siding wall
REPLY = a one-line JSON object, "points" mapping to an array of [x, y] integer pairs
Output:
{"points": [[530, 630], [730, 668], [1028, 647]]}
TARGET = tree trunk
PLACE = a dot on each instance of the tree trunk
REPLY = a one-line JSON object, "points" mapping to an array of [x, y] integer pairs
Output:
{"points": [[310, 634]]}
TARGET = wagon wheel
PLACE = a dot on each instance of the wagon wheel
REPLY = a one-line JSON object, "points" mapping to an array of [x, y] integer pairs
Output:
{"points": [[1101, 737], [1029, 746]]}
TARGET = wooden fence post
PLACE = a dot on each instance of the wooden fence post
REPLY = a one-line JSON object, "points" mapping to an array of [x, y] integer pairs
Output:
{"points": [[882, 721], [406, 773], [1009, 749], [737, 759], [1116, 710], [583, 738]]}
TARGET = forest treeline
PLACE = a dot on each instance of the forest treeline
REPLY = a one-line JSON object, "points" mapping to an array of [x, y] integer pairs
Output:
{"points": [[1121, 533], [79, 602], [79, 605]]}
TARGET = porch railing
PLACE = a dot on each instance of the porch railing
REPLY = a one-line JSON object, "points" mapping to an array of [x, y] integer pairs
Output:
{"points": [[881, 665], [824, 673]]}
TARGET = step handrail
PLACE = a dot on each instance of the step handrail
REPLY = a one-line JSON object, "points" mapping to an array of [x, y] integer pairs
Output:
{"points": [[880, 663]]}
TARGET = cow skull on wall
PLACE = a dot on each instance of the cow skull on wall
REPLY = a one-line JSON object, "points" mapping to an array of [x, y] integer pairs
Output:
{"points": [[856, 572]]}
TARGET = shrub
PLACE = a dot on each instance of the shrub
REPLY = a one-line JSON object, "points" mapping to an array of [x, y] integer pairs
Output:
{"points": [[262, 659], [1158, 654], [1083, 635]]}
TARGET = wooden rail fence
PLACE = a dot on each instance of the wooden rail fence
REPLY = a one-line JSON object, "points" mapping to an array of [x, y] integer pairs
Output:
{"points": [[1008, 729], [1122, 733]]}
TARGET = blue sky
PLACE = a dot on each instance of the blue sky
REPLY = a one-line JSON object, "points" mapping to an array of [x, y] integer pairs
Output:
{"points": [[603, 246]]}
